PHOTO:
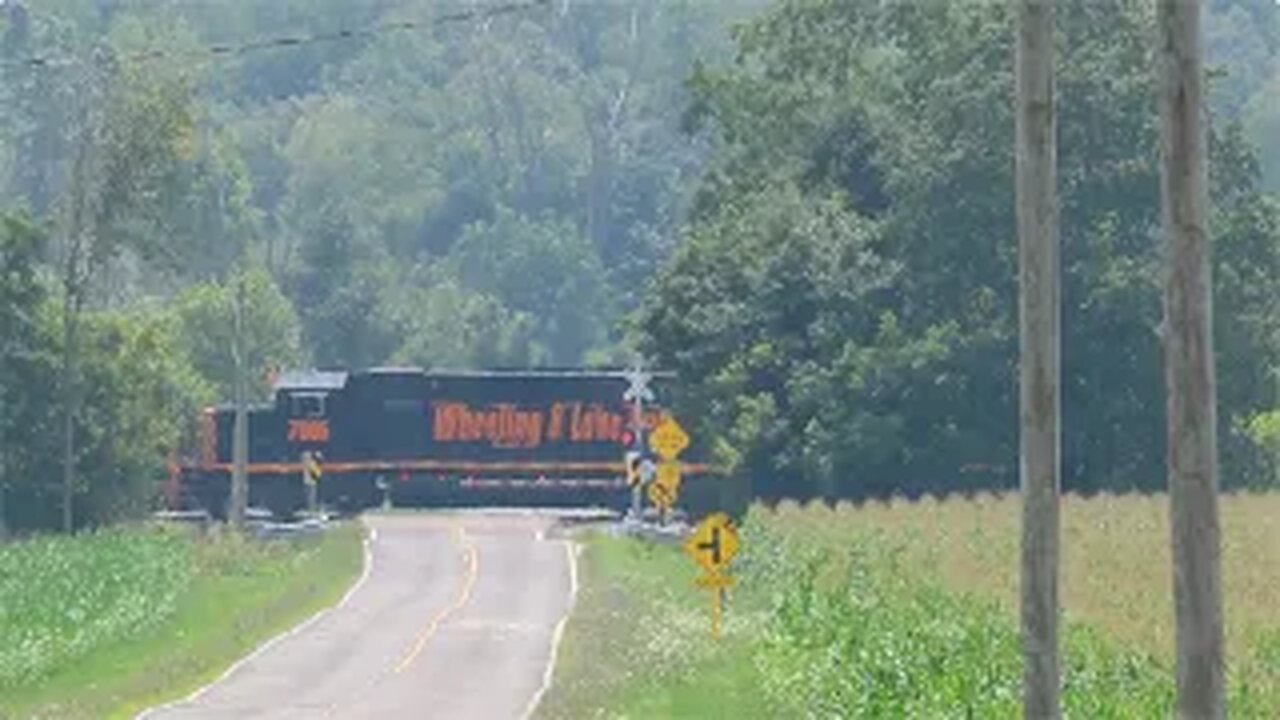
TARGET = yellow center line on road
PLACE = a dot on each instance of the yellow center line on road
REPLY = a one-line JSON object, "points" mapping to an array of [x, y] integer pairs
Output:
{"points": [[473, 569]]}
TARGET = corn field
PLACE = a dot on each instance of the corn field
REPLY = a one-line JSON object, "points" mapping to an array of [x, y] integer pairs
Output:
{"points": [[63, 597]]}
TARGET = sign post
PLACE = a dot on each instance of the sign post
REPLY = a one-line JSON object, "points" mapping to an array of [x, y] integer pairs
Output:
{"points": [[712, 545], [311, 477], [385, 488]]}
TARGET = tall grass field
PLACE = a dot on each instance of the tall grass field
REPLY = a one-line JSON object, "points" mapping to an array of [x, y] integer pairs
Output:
{"points": [[909, 610], [103, 624]]}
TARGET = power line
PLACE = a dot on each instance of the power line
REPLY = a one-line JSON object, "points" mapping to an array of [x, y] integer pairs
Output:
{"points": [[293, 41]]}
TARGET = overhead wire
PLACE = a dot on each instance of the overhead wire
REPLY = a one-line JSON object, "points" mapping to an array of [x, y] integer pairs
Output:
{"points": [[294, 41]]}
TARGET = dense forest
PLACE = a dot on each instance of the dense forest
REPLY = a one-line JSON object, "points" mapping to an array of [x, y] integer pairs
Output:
{"points": [[805, 207]]}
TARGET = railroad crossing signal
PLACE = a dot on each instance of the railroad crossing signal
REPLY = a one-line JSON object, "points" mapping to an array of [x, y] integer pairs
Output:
{"points": [[639, 389], [665, 487], [668, 440], [638, 393], [662, 496], [713, 543]]}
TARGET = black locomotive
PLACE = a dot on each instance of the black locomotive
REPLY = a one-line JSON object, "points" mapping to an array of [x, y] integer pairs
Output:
{"points": [[428, 438]]}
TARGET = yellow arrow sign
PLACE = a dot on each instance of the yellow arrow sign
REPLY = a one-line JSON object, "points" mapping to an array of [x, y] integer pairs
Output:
{"points": [[662, 496], [668, 474], [713, 543], [668, 439], [665, 487]]}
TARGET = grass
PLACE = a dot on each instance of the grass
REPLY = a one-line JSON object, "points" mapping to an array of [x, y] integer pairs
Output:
{"points": [[1115, 567], [909, 610], [639, 639], [105, 624]]}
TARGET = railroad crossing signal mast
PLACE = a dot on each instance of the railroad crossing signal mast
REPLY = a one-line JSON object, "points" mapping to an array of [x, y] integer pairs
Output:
{"points": [[638, 393]]}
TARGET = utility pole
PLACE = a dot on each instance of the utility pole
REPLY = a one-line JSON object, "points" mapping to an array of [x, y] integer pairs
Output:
{"points": [[240, 437], [4, 440], [1192, 453], [6, 423], [637, 413], [1039, 333]]}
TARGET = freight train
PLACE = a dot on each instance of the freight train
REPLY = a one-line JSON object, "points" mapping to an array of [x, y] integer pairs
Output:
{"points": [[416, 437]]}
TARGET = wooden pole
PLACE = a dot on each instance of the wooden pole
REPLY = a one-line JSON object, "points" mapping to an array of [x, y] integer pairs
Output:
{"points": [[715, 612], [1038, 302], [240, 432], [1189, 367]]}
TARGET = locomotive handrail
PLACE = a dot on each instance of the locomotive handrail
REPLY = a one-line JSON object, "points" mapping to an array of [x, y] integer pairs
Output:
{"points": [[448, 466]]}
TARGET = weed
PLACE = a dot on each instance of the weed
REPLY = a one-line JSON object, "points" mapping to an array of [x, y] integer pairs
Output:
{"points": [[908, 610]]}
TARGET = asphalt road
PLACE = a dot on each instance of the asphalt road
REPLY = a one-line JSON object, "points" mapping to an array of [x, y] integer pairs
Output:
{"points": [[456, 617]]}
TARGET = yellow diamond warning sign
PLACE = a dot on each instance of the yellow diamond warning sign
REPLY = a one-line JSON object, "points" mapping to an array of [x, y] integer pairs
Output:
{"points": [[668, 439], [713, 543]]}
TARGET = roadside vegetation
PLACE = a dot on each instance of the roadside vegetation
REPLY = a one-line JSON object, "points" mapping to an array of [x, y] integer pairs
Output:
{"points": [[104, 624], [813, 230], [909, 610]]}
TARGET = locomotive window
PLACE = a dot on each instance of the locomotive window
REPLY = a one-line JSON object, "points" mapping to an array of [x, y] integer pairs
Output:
{"points": [[402, 406], [306, 406]]}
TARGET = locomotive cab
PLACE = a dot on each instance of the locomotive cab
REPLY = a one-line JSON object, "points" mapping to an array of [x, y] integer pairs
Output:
{"points": [[313, 419]]}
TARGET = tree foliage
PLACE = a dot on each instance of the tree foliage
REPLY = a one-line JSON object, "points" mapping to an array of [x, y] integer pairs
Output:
{"points": [[141, 394], [808, 215], [22, 354], [898, 116], [205, 314]]}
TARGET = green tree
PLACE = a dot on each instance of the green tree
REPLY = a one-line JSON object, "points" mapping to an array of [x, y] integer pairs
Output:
{"points": [[753, 311], [546, 119], [205, 329], [141, 398], [442, 324], [142, 395], [1262, 118], [21, 352], [918, 142], [544, 268], [126, 143]]}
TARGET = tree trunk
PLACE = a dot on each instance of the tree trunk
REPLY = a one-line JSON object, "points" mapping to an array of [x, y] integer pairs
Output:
{"points": [[1189, 367], [4, 511], [1039, 298], [599, 186], [6, 423], [71, 311], [74, 282]]}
